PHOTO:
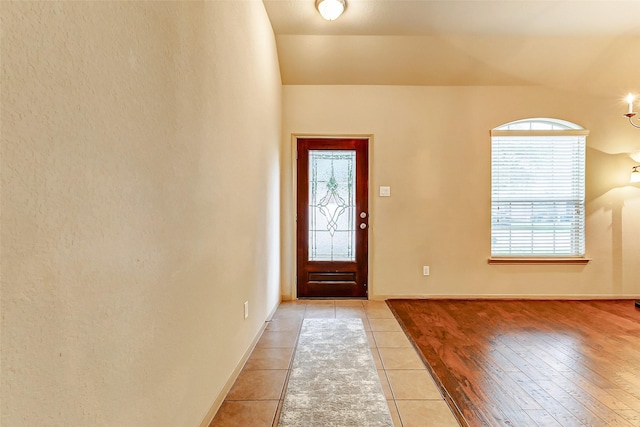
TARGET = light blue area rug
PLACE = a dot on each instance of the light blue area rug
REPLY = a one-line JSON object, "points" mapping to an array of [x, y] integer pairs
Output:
{"points": [[333, 380]]}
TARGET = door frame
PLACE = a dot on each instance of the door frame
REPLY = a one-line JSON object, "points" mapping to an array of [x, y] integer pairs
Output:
{"points": [[292, 226]]}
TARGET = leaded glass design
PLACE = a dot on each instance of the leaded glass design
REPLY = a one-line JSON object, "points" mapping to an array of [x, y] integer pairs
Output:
{"points": [[332, 205]]}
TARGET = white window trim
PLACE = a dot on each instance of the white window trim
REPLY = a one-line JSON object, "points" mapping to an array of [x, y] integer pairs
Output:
{"points": [[568, 132], [570, 129], [578, 260]]}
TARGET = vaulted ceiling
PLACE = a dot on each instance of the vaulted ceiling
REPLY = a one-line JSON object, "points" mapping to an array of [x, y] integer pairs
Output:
{"points": [[573, 44]]}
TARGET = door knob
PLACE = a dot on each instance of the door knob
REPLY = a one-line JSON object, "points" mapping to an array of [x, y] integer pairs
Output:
{"points": [[363, 226], [363, 215]]}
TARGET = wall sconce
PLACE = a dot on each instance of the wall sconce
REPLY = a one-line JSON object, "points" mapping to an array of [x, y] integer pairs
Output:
{"points": [[630, 114], [331, 9], [635, 175]]}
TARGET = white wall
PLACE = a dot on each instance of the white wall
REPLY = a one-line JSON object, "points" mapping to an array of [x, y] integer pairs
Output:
{"points": [[140, 206], [432, 146]]}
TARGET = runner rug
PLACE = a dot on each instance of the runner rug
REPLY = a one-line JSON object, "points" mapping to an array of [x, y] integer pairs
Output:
{"points": [[333, 380]]}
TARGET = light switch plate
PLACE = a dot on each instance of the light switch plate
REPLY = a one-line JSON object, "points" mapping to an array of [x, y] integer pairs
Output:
{"points": [[385, 191]]}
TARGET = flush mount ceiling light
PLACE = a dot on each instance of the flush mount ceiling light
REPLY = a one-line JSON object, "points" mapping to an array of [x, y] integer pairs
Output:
{"points": [[330, 9]]}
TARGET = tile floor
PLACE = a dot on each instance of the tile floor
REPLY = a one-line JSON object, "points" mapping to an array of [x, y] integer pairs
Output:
{"points": [[256, 397]]}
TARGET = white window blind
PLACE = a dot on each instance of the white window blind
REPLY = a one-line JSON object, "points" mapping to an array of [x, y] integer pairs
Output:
{"points": [[537, 189]]}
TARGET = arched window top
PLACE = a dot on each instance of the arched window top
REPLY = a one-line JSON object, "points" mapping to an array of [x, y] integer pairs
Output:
{"points": [[537, 124], [538, 189]]}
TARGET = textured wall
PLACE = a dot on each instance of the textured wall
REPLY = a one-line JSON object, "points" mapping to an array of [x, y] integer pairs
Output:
{"points": [[140, 206], [432, 146]]}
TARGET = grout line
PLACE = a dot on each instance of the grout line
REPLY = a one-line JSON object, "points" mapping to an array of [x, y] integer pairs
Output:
{"points": [[395, 403], [276, 417], [386, 373]]}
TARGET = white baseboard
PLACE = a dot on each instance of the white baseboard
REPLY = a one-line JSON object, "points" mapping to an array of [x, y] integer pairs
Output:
{"points": [[234, 375], [510, 296]]}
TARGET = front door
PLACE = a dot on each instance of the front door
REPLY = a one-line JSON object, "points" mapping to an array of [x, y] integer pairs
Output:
{"points": [[332, 217]]}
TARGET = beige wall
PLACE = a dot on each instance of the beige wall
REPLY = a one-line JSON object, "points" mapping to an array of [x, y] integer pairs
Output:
{"points": [[432, 146], [140, 189], [141, 195]]}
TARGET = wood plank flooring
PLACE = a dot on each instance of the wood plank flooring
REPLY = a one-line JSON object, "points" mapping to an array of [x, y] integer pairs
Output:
{"points": [[530, 363]]}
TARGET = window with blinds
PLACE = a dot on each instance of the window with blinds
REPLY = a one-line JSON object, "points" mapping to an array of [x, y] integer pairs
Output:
{"points": [[537, 189]]}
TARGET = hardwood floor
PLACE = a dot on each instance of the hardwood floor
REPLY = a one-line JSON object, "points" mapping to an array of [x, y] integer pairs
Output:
{"points": [[531, 363]]}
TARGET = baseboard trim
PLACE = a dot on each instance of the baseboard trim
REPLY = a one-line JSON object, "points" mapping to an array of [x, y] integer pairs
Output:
{"points": [[211, 413], [509, 296]]}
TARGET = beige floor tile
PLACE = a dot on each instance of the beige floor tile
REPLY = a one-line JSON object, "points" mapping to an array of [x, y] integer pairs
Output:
{"points": [[320, 310], [400, 358], [350, 313], [290, 309], [320, 314], [384, 382], [320, 303], [378, 310], [391, 339], [425, 413], [374, 304], [376, 358], [269, 358], [412, 384], [372, 341], [395, 416], [292, 304], [285, 324], [275, 339], [246, 414], [386, 325], [288, 314], [349, 303], [298, 305], [258, 385]]}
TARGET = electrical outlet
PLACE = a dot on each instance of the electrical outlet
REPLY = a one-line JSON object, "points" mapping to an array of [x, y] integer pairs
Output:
{"points": [[246, 309], [425, 270]]}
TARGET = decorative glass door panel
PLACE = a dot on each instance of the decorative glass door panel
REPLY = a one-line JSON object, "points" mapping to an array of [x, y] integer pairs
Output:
{"points": [[332, 217], [332, 204]]}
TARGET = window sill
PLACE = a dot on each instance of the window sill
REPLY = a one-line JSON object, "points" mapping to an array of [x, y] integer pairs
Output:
{"points": [[530, 261]]}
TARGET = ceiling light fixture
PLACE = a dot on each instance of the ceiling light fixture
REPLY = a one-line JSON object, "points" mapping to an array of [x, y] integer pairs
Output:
{"points": [[331, 9], [631, 114], [635, 175]]}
